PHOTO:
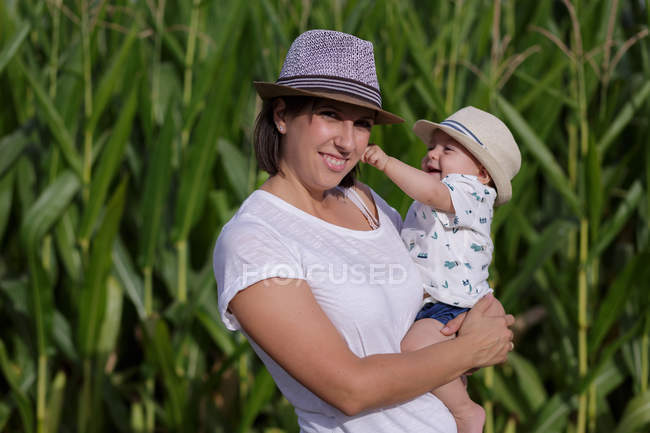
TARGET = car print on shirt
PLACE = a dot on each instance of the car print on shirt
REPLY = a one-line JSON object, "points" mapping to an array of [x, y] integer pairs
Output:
{"points": [[450, 264]]}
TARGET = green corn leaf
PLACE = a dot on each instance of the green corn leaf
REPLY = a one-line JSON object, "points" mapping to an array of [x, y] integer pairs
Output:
{"points": [[11, 48], [542, 154], [6, 196], [219, 201], [194, 175], [624, 117], [221, 337], [66, 245], [92, 304], [62, 335], [259, 395], [48, 208], [16, 292], [137, 423], [545, 85], [416, 44], [174, 47], [20, 398], [530, 383], [503, 392], [25, 183], [229, 31], [5, 414], [595, 191], [235, 165], [55, 122], [55, 401], [636, 415], [271, 14], [553, 416], [128, 278], [11, 146], [162, 354], [111, 79], [550, 241], [117, 406], [110, 326], [606, 356], [169, 86], [611, 376], [111, 158], [37, 222], [613, 227], [156, 188], [613, 303], [41, 300]]}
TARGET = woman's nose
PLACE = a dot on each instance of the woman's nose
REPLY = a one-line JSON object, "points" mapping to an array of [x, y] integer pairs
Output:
{"points": [[344, 140]]}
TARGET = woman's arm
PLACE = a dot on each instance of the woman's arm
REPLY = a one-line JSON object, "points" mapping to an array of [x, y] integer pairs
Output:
{"points": [[283, 318], [415, 183]]}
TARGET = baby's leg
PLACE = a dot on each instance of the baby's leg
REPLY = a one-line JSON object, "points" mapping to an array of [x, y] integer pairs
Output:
{"points": [[469, 416]]}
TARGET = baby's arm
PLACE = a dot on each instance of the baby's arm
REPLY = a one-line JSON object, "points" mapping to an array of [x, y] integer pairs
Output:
{"points": [[415, 183]]}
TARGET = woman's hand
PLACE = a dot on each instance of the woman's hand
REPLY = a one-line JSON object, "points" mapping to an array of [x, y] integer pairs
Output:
{"points": [[453, 325], [488, 327]]}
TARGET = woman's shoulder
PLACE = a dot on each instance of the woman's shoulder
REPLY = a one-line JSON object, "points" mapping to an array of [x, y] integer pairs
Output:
{"points": [[251, 219]]}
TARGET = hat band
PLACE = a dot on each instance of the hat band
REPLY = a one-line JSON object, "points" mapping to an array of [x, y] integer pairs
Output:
{"points": [[330, 84], [462, 129]]}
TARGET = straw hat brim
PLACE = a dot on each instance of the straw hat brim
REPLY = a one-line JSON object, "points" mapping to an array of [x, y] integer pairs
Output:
{"points": [[424, 129], [272, 90]]}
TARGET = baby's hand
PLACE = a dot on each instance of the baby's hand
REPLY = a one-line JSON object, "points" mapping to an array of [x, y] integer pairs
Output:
{"points": [[375, 157]]}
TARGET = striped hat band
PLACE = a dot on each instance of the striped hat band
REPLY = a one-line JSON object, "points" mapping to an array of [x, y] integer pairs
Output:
{"points": [[462, 129], [333, 84]]}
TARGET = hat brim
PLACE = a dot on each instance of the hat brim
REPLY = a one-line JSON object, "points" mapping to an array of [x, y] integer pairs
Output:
{"points": [[273, 90], [424, 128]]}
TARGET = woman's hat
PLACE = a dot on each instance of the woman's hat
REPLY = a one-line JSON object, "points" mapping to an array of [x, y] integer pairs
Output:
{"points": [[487, 138], [332, 65]]}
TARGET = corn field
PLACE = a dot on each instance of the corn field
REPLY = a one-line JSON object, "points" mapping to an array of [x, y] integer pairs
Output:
{"points": [[125, 143]]}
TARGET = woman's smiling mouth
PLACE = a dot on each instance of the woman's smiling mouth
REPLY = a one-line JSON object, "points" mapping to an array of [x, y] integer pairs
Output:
{"points": [[333, 162]]}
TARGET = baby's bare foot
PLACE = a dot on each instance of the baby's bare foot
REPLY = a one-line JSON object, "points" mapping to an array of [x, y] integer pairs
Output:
{"points": [[469, 418]]}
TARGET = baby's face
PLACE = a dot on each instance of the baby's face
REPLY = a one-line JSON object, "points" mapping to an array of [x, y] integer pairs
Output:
{"points": [[446, 156]]}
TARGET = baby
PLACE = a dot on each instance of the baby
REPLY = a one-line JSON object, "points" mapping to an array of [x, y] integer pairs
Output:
{"points": [[471, 158]]}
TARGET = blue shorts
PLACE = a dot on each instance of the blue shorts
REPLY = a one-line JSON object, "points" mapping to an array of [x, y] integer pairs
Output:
{"points": [[440, 311]]}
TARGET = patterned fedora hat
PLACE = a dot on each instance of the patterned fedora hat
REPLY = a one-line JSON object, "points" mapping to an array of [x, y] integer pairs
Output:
{"points": [[332, 65], [487, 138]]}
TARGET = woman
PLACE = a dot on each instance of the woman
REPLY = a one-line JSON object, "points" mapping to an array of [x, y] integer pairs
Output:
{"points": [[312, 268]]}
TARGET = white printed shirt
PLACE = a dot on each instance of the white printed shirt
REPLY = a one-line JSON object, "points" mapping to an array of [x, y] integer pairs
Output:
{"points": [[453, 250]]}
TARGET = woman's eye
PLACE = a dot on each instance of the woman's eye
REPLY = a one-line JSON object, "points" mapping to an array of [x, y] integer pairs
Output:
{"points": [[328, 113]]}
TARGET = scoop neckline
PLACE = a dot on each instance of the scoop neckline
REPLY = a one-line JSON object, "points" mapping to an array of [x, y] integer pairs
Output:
{"points": [[280, 202]]}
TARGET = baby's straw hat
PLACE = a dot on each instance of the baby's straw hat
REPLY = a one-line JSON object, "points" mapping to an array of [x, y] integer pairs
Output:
{"points": [[332, 65], [487, 138]]}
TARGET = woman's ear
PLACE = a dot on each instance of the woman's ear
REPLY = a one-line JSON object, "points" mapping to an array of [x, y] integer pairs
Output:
{"points": [[279, 115], [483, 176]]}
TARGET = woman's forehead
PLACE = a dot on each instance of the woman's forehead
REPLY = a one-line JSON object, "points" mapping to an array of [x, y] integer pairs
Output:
{"points": [[351, 109]]}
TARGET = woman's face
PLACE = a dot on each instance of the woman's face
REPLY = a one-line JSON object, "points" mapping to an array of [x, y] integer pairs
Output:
{"points": [[323, 142]]}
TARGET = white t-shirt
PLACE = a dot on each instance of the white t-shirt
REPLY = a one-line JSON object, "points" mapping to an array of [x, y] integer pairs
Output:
{"points": [[453, 250], [364, 281]]}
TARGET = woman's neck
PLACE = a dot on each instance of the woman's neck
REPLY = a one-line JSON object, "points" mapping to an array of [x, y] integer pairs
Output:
{"points": [[298, 194]]}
